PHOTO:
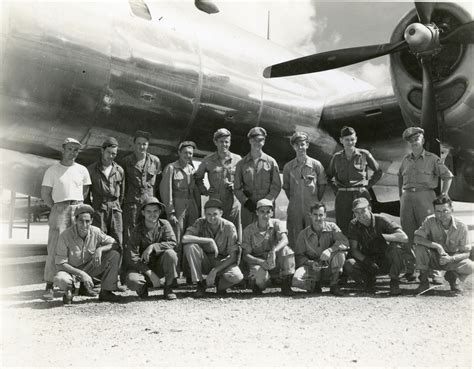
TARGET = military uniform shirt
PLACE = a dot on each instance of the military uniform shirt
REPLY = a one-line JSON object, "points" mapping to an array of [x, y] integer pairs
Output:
{"points": [[257, 243], [106, 189], [140, 182]]}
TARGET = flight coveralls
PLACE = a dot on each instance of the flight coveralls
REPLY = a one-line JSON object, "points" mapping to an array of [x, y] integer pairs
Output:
{"points": [[300, 182], [259, 244], [310, 246], [454, 241], [419, 178], [106, 196], [182, 199], [220, 173], [201, 258], [255, 181], [163, 260], [350, 177], [141, 182]]}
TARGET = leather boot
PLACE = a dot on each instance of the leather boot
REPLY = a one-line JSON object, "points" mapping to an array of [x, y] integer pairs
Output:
{"points": [[424, 282], [395, 287], [286, 286]]}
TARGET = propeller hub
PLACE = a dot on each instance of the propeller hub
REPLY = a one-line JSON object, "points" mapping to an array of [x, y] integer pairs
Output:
{"points": [[423, 39]]}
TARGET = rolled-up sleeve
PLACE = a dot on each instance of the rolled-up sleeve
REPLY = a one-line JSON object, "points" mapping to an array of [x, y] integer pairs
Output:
{"points": [[442, 170]]}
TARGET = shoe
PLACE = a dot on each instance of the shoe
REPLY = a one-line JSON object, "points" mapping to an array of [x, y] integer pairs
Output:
{"points": [[121, 288], [370, 287], [84, 291], [143, 292], [316, 288], [256, 290], [189, 281], [395, 288], [48, 294], [336, 291], [108, 296], [423, 286], [455, 287], [201, 290], [221, 292], [169, 294], [437, 280], [342, 280], [410, 277], [67, 297], [286, 286]]}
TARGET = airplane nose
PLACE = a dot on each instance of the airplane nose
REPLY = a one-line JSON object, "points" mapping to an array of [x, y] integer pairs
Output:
{"points": [[418, 36]]}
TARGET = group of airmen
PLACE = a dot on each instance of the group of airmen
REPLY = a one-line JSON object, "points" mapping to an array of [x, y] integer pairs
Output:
{"points": [[122, 225]]}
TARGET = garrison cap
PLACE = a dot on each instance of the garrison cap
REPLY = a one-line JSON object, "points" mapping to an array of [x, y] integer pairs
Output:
{"points": [[360, 203], [257, 131], [109, 141], [264, 202], [221, 132], [151, 200], [298, 136], [411, 131], [83, 209], [144, 134], [347, 131], [186, 144], [71, 140], [213, 203]]}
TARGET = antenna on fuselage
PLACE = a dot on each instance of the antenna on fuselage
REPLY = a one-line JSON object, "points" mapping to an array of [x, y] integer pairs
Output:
{"points": [[206, 6]]}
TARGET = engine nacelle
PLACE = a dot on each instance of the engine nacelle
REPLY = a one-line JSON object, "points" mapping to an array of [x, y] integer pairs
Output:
{"points": [[453, 76]]}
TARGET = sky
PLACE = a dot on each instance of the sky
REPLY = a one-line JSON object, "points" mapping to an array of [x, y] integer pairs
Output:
{"points": [[309, 26]]}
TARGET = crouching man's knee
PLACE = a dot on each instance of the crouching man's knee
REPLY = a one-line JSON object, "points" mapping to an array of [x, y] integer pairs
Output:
{"points": [[63, 280]]}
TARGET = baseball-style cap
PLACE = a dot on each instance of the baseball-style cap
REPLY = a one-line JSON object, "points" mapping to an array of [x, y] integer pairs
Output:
{"points": [[411, 131], [71, 140], [213, 203], [152, 201], [360, 203], [82, 209], [257, 131], [186, 144], [144, 134], [264, 202], [109, 141], [221, 132], [347, 131], [298, 136]]}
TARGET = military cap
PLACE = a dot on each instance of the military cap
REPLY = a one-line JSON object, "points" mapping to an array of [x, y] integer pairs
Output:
{"points": [[411, 131], [221, 132], [359, 203], [264, 202], [82, 209], [257, 131], [213, 203], [151, 200], [186, 144], [144, 134], [71, 140], [109, 141], [298, 136], [347, 131]]}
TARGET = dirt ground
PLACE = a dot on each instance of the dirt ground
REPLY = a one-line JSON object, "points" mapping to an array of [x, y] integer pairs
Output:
{"points": [[357, 330]]}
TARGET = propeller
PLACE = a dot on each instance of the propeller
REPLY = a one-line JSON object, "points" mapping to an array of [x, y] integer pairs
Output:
{"points": [[424, 10]]}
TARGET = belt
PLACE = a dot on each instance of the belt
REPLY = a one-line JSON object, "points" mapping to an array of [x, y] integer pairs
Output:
{"points": [[414, 189], [69, 202], [350, 188]]}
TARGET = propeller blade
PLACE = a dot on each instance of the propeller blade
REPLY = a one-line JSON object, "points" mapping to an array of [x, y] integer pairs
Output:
{"points": [[429, 116], [332, 59], [424, 10], [464, 34]]}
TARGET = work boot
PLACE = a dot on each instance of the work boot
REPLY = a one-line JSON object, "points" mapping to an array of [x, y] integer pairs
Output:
{"points": [[143, 292], [85, 291], [409, 277], [257, 290], [48, 292], [169, 293], [424, 283], [336, 291], [67, 297], [453, 282], [316, 289], [221, 292], [370, 286], [201, 290], [108, 296], [286, 286], [395, 288]]}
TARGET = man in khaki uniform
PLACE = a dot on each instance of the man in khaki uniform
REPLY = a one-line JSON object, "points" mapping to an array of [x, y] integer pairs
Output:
{"points": [[443, 244], [220, 169], [417, 179], [180, 195], [321, 252], [211, 247], [304, 182], [257, 177], [266, 251]]}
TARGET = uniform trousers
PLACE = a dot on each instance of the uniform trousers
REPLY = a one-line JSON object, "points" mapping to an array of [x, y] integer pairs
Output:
{"points": [[107, 272], [130, 212], [163, 265], [109, 219], [202, 262], [306, 277], [60, 218]]}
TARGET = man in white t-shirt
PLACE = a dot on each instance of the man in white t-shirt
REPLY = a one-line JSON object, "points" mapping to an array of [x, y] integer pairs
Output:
{"points": [[64, 186]]}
